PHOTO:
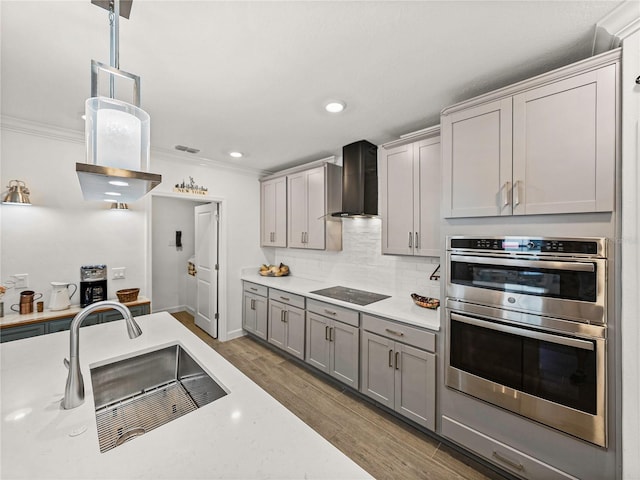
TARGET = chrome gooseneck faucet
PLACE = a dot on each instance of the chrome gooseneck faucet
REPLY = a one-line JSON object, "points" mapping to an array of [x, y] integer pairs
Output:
{"points": [[74, 389]]}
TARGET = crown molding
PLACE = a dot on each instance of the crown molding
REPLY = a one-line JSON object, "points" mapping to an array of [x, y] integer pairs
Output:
{"points": [[413, 137], [591, 63], [29, 127], [616, 26], [299, 168]]}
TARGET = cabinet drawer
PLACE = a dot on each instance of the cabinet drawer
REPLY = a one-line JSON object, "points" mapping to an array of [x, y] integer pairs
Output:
{"points": [[255, 288], [400, 332], [18, 333], [506, 457], [63, 324], [329, 310], [286, 297]]}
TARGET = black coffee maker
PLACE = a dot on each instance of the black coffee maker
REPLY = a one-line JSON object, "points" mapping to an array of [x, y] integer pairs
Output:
{"points": [[93, 284]]}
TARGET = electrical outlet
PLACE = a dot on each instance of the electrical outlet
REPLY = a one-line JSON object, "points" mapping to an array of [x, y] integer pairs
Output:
{"points": [[119, 273], [21, 280]]}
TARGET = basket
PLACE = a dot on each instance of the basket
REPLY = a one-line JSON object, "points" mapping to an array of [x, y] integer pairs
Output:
{"points": [[128, 295], [425, 302]]}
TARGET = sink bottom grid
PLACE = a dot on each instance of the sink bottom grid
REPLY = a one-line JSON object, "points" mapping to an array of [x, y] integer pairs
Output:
{"points": [[125, 420]]}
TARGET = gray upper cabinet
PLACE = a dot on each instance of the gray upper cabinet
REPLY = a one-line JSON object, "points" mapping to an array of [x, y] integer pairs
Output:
{"points": [[273, 212], [312, 195], [410, 196], [543, 146]]}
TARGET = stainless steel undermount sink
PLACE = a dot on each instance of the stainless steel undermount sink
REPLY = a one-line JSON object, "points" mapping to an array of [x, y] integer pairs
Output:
{"points": [[140, 393]]}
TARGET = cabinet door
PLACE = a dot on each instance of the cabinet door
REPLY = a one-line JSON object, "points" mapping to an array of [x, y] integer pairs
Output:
{"points": [[427, 197], [297, 209], [377, 376], [396, 180], [260, 306], [477, 161], [294, 331], [249, 313], [18, 333], [345, 342], [273, 231], [317, 344], [564, 145], [276, 328], [415, 384], [315, 233]]}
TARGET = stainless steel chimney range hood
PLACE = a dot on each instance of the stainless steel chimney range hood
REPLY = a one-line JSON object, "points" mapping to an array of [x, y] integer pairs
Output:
{"points": [[359, 181]]}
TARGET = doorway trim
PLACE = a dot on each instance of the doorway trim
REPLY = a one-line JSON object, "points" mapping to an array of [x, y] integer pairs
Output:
{"points": [[222, 247]]}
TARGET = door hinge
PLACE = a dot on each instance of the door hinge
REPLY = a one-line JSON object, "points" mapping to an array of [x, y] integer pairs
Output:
{"points": [[215, 316], [217, 267]]}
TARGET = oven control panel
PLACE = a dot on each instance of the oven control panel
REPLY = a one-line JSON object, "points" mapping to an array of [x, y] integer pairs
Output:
{"points": [[529, 245]]}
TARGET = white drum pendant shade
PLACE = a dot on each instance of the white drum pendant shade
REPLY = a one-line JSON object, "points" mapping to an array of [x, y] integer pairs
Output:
{"points": [[117, 134]]}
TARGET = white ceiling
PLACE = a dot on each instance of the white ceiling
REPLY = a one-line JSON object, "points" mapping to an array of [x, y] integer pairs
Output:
{"points": [[253, 76]]}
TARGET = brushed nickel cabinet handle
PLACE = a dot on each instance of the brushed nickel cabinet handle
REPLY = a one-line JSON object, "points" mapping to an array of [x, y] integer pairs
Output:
{"points": [[516, 193], [397, 362], [410, 240], [511, 463], [282, 315], [329, 312], [331, 337], [326, 332], [286, 299], [391, 358], [286, 316], [416, 242], [253, 288], [505, 193], [393, 332]]}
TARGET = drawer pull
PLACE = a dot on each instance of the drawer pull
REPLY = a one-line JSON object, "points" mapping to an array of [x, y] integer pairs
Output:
{"points": [[511, 463], [397, 362], [286, 299], [393, 332], [329, 312], [391, 358], [253, 288], [331, 334], [326, 332]]}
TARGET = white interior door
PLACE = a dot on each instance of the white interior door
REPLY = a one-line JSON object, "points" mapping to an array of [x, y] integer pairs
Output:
{"points": [[206, 236]]}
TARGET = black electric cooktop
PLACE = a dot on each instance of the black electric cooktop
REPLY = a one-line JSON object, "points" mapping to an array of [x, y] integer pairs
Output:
{"points": [[351, 295]]}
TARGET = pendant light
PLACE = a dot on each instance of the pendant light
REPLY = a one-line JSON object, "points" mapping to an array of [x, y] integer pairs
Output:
{"points": [[117, 132], [18, 194]]}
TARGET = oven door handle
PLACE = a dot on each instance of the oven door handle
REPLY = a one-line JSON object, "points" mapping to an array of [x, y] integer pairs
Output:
{"points": [[547, 264], [547, 337]]}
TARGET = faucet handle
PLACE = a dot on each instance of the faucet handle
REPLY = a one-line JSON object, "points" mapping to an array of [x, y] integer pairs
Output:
{"points": [[66, 363]]}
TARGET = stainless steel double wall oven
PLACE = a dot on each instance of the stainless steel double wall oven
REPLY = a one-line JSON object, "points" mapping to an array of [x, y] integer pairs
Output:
{"points": [[527, 328]]}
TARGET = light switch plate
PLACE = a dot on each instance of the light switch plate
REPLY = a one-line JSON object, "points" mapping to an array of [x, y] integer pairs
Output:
{"points": [[119, 273], [21, 280]]}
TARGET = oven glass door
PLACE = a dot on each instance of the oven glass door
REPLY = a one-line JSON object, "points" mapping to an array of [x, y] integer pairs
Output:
{"points": [[554, 367], [567, 280]]}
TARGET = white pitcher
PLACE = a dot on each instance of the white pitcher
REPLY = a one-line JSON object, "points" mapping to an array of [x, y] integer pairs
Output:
{"points": [[60, 296]]}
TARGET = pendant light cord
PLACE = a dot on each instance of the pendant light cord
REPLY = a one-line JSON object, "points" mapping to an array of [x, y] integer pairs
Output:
{"points": [[114, 36]]}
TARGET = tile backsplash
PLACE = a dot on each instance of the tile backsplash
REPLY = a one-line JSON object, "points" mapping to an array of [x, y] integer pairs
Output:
{"points": [[361, 265]]}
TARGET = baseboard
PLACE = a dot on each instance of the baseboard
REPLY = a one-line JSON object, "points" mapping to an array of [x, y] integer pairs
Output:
{"points": [[234, 334], [178, 308]]}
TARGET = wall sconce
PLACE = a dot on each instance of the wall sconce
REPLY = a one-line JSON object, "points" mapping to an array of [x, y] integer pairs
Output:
{"points": [[18, 194]]}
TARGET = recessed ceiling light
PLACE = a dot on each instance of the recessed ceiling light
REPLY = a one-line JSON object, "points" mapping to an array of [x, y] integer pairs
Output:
{"points": [[110, 200], [113, 194], [335, 107], [235, 154], [118, 183]]}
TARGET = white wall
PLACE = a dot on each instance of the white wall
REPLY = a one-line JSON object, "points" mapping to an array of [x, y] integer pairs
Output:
{"points": [[51, 239], [630, 284], [169, 264], [60, 232], [361, 265], [239, 193]]}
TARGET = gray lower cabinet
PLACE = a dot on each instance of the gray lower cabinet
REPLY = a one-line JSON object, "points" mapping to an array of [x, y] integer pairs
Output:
{"points": [[113, 315], [254, 314], [24, 331], [62, 324], [398, 375], [286, 327], [333, 347]]}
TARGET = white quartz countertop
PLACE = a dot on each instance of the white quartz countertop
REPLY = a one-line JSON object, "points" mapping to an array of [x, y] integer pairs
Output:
{"points": [[244, 435], [400, 309]]}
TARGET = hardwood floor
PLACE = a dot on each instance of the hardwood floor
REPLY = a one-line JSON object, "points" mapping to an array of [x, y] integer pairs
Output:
{"points": [[380, 443]]}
